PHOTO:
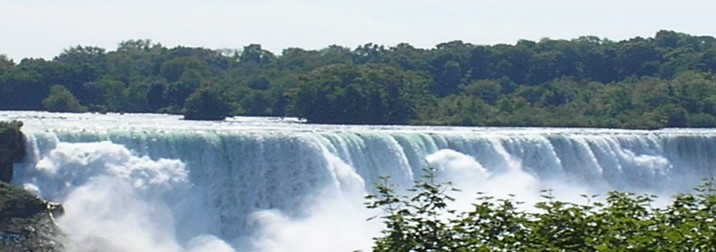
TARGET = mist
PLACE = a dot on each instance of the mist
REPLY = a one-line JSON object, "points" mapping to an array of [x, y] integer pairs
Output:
{"points": [[163, 184]]}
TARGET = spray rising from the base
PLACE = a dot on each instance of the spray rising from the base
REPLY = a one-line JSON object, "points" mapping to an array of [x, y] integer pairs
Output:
{"points": [[156, 183]]}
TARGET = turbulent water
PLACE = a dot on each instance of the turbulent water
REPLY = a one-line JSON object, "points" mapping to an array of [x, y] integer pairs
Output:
{"points": [[144, 182]]}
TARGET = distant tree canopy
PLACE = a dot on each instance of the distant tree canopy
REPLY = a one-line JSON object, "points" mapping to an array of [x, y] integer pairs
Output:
{"points": [[206, 103], [356, 94], [664, 81], [62, 100]]}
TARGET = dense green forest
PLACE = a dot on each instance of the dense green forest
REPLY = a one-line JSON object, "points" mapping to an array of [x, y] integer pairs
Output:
{"points": [[664, 81]]}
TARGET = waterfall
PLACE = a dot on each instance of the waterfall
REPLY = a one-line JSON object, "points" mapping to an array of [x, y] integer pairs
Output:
{"points": [[138, 182]]}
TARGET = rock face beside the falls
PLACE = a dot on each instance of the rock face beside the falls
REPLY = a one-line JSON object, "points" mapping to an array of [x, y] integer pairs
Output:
{"points": [[12, 148], [26, 222]]}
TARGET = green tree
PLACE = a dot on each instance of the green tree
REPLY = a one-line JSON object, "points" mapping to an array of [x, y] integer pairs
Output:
{"points": [[408, 57], [488, 90], [514, 61], [254, 54], [369, 53], [367, 94], [586, 81], [5, 63], [423, 220], [173, 69], [28, 83], [62, 100], [449, 67], [109, 94], [637, 57], [206, 103], [414, 223], [134, 58], [481, 61], [462, 110]]}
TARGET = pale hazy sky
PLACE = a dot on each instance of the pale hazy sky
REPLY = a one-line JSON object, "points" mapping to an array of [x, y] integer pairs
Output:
{"points": [[44, 28]]}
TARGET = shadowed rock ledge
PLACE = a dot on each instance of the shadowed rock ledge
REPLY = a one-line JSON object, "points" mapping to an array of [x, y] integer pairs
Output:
{"points": [[12, 148], [27, 223]]}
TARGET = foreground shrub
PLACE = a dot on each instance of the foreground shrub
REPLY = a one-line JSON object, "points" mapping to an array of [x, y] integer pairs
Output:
{"points": [[622, 222]]}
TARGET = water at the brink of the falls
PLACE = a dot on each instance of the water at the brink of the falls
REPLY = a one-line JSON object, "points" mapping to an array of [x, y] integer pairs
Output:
{"points": [[144, 182]]}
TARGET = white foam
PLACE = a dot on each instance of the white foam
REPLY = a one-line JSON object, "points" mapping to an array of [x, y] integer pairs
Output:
{"points": [[140, 182]]}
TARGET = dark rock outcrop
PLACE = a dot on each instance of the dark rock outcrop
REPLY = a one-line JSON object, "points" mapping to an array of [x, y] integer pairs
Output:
{"points": [[12, 148], [27, 222]]}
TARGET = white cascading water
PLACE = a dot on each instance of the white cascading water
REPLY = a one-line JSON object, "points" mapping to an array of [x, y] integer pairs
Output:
{"points": [[141, 182]]}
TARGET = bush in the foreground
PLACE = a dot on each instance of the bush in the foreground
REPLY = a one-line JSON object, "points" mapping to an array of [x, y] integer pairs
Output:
{"points": [[623, 222]]}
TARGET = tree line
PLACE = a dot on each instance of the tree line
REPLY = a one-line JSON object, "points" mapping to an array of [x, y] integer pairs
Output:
{"points": [[662, 81]]}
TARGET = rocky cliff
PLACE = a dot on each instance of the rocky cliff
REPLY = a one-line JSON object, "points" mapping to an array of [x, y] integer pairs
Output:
{"points": [[12, 148], [26, 221]]}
